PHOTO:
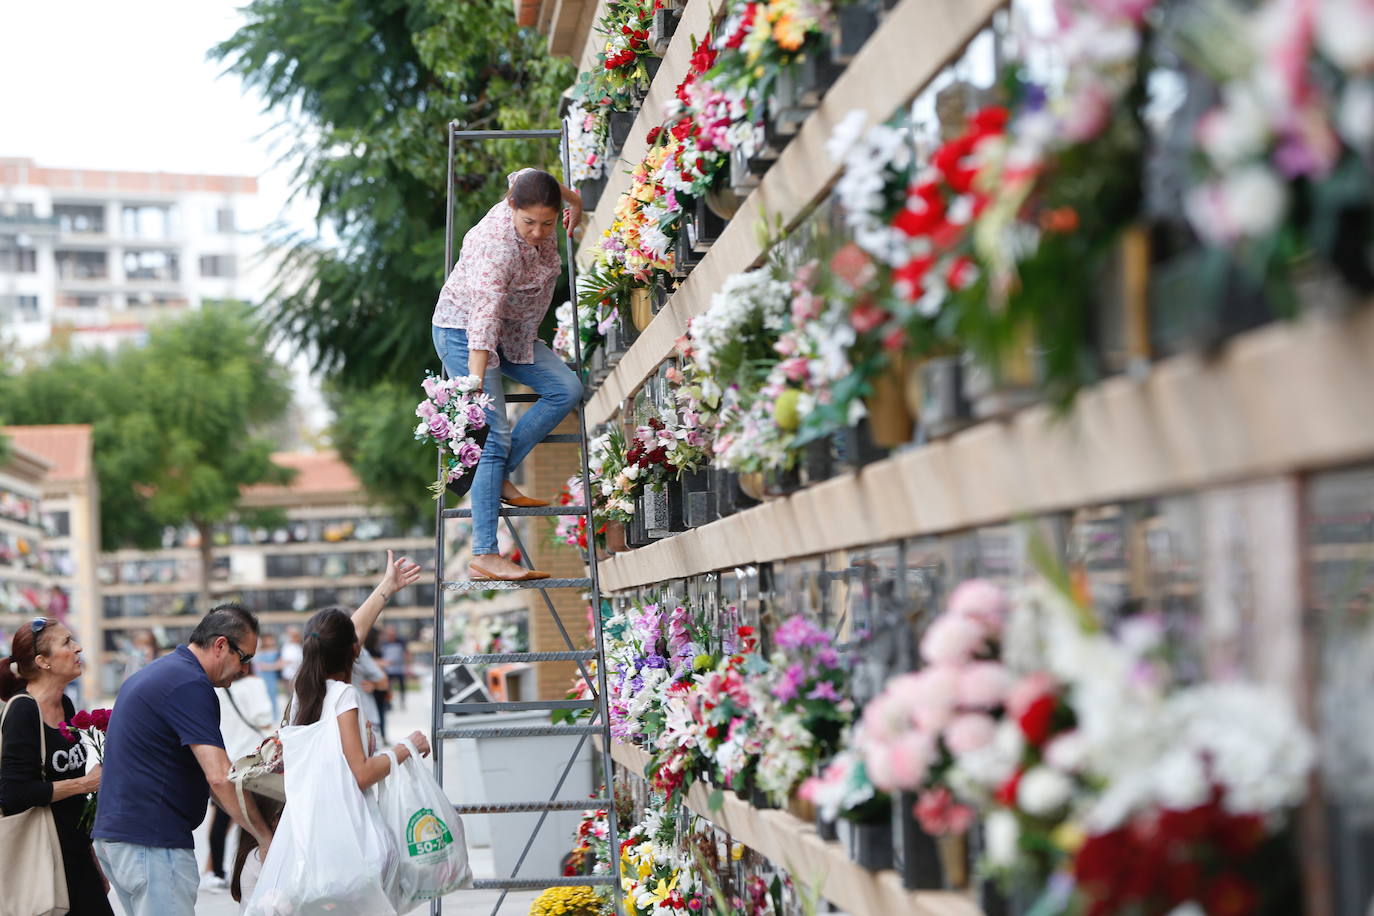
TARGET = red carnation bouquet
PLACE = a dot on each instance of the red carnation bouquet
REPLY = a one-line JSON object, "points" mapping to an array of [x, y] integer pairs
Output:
{"points": [[89, 728]]}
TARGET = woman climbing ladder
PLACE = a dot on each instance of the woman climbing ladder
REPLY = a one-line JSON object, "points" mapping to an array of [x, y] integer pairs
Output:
{"points": [[485, 324]]}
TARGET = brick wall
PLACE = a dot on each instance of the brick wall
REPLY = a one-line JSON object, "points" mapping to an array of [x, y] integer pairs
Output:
{"points": [[546, 469]]}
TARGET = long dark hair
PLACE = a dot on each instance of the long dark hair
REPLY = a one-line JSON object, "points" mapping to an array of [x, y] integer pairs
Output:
{"points": [[271, 811], [328, 649]]}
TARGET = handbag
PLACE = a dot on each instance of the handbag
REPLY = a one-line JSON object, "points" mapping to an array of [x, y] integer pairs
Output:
{"points": [[35, 881], [264, 770]]}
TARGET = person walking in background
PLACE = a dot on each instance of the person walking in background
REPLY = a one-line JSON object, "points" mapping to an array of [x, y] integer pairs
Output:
{"points": [[267, 665], [396, 661], [371, 682], [165, 756], [245, 718], [45, 658], [486, 325], [290, 661]]}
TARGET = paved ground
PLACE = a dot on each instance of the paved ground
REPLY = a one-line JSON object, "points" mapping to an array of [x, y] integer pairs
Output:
{"points": [[463, 903]]}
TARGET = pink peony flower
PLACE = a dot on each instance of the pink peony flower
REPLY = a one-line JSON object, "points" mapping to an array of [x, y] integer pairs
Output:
{"points": [[1027, 690], [425, 410], [952, 639], [939, 814], [970, 732], [469, 455], [983, 685], [980, 600], [932, 697], [431, 385], [900, 764], [477, 417], [438, 427]]}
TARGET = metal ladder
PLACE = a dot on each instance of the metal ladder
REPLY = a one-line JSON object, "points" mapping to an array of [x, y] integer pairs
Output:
{"points": [[599, 724]]}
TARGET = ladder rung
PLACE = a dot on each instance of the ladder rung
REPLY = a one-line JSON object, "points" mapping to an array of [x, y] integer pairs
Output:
{"points": [[585, 804], [519, 706], [519, 731], [521, 397], [503, 658], [500, 585], [466, 511], [537, 884], [555, 438]]}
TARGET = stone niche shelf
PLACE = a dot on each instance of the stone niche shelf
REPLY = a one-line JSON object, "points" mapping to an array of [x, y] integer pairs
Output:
{"points": [[1289, 397], [914, 41], [794, 845], [696, 19]]}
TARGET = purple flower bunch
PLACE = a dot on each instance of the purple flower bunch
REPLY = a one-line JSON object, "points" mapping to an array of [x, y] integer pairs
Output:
{"points": [[807, 665], [453, 410]]}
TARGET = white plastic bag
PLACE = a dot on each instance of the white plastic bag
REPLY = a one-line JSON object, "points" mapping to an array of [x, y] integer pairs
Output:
{"points": [[331, 853], [430, 842]]}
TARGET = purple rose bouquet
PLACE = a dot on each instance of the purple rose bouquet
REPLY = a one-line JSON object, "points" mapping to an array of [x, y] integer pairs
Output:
{"points": [[453, 417]]}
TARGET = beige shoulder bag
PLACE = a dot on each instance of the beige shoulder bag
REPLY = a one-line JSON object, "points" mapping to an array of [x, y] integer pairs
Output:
{"points": [[35, 883]]}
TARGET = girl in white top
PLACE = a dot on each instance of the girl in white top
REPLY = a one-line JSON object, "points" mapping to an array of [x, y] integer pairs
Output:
{"points": [[324, 692]]}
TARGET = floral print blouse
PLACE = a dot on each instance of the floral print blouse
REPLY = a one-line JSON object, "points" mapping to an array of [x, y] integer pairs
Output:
{"points": [[500, 288]]}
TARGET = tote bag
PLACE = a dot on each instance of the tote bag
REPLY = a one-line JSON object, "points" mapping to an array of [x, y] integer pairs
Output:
{"points": [[429, 836], [35, 883], [330, 853]]}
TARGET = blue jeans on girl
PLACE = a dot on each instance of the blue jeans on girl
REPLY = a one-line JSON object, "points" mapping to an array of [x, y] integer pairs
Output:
{"points": [[559, 390]]}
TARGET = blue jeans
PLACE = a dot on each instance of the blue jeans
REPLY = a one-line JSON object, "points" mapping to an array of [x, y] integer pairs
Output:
{"points": [[559, 391], [151, 880]]}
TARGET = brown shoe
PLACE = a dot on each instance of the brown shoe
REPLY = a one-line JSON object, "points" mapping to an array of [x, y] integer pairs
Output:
{"points": [[525, 502], [484, 575]]}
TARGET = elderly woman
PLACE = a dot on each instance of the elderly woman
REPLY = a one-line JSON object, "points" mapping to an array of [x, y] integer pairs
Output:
{"points": [[44, 659], [485, 325]]}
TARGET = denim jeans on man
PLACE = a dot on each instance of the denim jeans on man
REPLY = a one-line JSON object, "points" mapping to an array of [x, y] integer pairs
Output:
{"points": [[559, 390], [150, 880]]}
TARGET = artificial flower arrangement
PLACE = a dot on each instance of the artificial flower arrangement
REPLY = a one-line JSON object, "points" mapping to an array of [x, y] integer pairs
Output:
{"points": [[1285, 167], [613, 479], [453, 417], [620, 77], [491, 635], [587, 129], [88, 728], [638, 243]]}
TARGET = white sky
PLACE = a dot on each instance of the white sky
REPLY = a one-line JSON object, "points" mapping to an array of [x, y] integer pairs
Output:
{"points": [[127, 86]]}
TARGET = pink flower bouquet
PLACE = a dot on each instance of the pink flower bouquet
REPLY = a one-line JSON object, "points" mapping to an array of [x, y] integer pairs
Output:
{"points": [[453, 417]]}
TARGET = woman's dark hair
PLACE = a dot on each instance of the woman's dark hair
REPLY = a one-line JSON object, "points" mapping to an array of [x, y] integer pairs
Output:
{"points": [[271, 810], [17, 670], [328, 649], [533, 188]]}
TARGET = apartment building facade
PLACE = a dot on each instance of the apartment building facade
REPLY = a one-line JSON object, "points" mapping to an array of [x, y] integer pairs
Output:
{"points": [[25, 580], [98, 256]]}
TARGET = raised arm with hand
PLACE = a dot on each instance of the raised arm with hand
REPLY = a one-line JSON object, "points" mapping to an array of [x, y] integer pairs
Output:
{"points": [[398, 574], [572, 216]]}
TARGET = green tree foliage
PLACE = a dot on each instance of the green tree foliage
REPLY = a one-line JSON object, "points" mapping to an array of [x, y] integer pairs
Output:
{"points": [[175, 422], [369, 432], [364, 89]]}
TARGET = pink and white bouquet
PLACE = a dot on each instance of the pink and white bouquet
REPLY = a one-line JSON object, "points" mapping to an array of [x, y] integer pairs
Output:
{"points": [[453, 417]]}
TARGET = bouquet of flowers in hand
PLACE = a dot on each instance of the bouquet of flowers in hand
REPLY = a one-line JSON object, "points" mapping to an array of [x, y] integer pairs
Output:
{"points": [[453, 417], [88, 727]]}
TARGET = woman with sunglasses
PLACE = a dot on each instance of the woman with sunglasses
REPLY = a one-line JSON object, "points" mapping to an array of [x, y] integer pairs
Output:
{"points": [[44, 658]]}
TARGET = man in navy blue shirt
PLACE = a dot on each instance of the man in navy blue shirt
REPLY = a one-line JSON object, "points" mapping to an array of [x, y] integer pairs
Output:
{"points": [[164, 756]]}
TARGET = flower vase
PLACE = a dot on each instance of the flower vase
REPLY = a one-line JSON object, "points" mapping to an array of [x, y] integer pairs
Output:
{"points": [[723, 201], [870, 845], [781, 482], [705, 227], [801, 809], [857, 446], [641, 308], [826, 830], [591, 192], [817, 461], [953, 852], [743, 176], [889, 421], [659, 294], [615, 537], [854, 24], [1122, 305], [651, 65], [729, 493], [700, 508], [620, 123], [662, 28], [1007, 386], [752, 485], [943, 409], [917, 856]]}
